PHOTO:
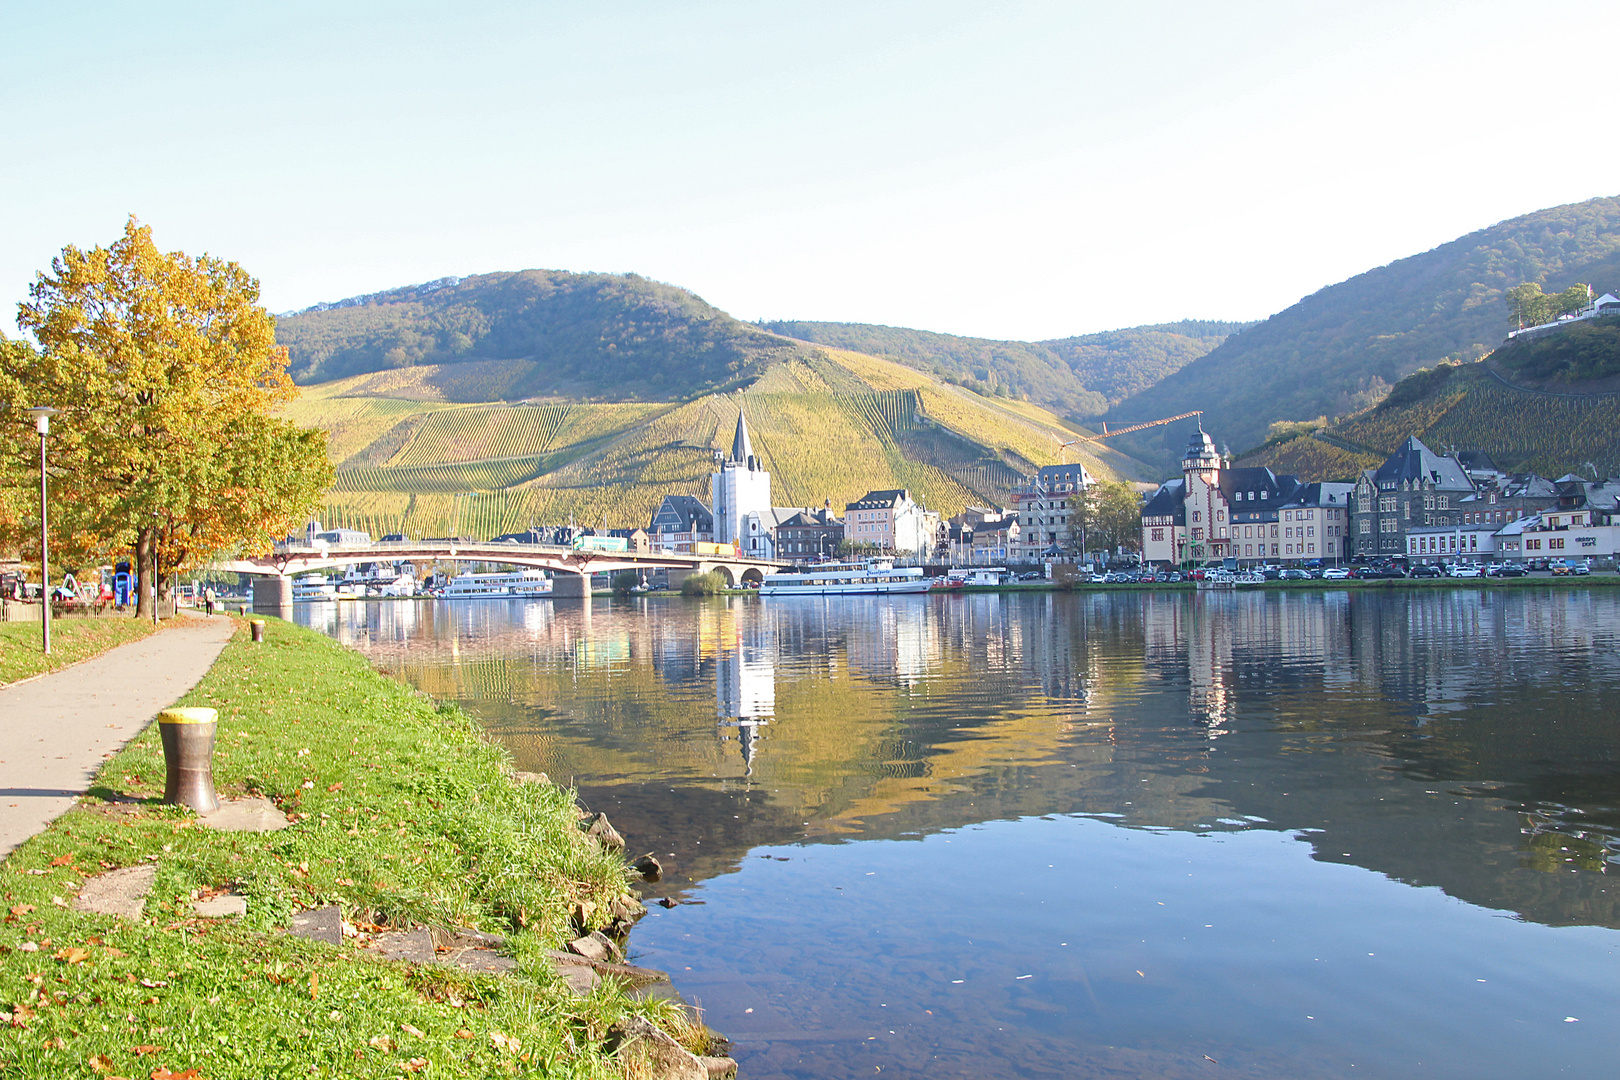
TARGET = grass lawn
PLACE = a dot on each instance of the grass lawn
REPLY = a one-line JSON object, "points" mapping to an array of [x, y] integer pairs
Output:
{"points": [[402, 813], [72, 639]]}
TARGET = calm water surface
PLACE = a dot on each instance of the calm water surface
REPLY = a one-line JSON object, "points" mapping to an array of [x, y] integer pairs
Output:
{"points": [[1323, 834]]}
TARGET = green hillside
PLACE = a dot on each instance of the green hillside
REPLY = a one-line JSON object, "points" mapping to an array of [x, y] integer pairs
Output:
{"points": [[1489, 406], [595, 336], [1341, 348], [832, 425], [1078, 376]]}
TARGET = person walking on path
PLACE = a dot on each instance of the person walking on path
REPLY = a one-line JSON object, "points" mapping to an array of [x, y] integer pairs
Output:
{"points": [[56, 730]]}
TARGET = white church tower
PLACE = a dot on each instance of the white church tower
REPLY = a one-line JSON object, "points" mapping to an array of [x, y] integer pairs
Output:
{"points": [[739, 486]]}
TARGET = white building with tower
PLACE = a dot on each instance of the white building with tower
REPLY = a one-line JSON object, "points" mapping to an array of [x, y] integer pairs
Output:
{"points": [[738, 487]]}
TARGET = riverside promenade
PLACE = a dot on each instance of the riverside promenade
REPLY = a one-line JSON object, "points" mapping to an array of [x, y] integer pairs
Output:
{"points": [[57, 729]]}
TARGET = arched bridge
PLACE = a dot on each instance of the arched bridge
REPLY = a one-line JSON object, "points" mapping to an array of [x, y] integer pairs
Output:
{"points": [[570, 568]]}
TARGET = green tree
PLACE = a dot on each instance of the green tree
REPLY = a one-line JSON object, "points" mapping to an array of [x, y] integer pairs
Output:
{"points": [[1528, 305], [1105, 516], [624, 582], [1572, 299], [166, 372]]}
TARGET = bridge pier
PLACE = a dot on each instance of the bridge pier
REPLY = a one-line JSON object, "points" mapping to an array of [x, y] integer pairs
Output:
{"points": [[273, 595], [570, 586]]}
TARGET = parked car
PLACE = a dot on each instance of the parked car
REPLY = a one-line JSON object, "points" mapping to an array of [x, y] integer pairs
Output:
{"points": [[1537, 564], [1335, 573], [1464, 570], [1293, 573], [1427, 570], [1033, 575], [1506, 569], [1173, 578], [1571, 566]]}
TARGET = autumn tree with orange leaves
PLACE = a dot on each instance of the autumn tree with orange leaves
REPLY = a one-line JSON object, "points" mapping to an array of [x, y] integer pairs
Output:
{"points": [[167, 374]]}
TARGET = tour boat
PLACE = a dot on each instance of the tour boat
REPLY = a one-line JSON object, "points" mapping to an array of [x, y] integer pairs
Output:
{"points": [[314, 587], [514, 585], [878, 577]]}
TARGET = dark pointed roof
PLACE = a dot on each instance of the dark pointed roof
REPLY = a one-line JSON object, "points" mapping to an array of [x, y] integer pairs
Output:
{"points": [[741, 448], [1416, 463]]}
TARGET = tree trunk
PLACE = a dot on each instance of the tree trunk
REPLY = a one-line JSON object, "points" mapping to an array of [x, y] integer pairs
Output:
{"points": [[145, 566]]}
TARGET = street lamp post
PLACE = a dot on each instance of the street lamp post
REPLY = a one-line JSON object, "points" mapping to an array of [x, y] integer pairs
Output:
{"points": [[42, 424]]}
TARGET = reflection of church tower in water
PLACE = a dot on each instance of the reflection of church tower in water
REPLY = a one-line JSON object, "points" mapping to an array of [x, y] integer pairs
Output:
{"points": [[745, 687]]}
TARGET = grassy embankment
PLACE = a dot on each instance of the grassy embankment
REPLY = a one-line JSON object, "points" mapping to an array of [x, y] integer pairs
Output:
{"points": [[402, 813], [72, 639]]}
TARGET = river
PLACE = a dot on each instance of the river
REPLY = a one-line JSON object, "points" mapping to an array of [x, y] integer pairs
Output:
{"points": [[1254, 834]]}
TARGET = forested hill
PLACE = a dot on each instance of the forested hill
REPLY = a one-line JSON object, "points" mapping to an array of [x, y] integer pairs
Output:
{"points": [[1343, 347], [584, 336], [1078, 376]]}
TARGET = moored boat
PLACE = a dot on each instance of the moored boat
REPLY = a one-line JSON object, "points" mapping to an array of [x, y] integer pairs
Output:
{"points": [[871, 577], [512, 585]]}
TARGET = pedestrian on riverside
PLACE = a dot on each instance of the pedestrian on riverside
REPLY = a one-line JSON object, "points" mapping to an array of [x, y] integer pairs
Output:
{"points": [[208, 599]]}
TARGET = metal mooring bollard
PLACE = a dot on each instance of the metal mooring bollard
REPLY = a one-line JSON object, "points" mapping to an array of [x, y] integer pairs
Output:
{"points": [[257, 626], [188, 756]]}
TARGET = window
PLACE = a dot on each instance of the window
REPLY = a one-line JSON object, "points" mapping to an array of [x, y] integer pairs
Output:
{"points": [[1445, 503], [1198, 534], [1556, 543], [1158, 534], [1198, 515], [1310, 530], [1312, 548]]}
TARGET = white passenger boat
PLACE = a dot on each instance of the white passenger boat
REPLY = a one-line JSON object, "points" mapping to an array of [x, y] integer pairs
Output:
{"points": [[314, 587], [867, 577], [515, 585]]}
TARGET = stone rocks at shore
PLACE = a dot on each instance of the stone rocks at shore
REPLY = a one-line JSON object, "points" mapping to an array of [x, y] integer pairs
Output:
{"points": [[649, 868], [604, 832], [664, 1057]]}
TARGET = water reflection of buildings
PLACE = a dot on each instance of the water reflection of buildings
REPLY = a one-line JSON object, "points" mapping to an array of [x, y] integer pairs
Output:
{"points": [[745, 686]]}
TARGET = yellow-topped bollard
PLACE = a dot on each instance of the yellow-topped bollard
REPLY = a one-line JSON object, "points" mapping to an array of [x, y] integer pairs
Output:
{"points": [[257, 628], [188, 757]]}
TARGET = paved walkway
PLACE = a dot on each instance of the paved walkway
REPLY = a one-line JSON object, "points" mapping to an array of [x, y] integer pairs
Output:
{"points": [[55, 731]]}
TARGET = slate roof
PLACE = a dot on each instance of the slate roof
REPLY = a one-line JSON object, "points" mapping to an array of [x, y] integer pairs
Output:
{"points": [[682, 513], [1414, 462], [741, 448], [880, 500], [1170, 501]]}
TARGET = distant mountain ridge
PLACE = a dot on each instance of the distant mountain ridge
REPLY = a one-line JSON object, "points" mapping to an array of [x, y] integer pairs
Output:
{"points": [[606, 337], [1079, 376], [1341, 348]]}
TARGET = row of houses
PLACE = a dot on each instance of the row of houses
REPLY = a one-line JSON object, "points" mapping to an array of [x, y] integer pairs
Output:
{"points": [[1418, 505], [739, 511]]}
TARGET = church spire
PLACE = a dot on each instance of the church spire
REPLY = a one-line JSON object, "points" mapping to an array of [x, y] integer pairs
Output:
{"points": [[741, 449]]}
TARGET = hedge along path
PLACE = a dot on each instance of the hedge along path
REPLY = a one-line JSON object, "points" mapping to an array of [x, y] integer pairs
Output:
{"points": [[401, 812]]}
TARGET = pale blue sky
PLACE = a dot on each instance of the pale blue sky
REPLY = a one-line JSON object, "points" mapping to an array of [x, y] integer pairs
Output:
{"points": [[1008, 170]]}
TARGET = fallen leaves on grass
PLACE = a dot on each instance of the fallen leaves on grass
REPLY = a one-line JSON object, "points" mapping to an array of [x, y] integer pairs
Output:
{"points": [[62, 860], [412, 1030], [385, 1043], [415, 1065], [145, 1049], [161, 1073], [101, 1063], [503, 1041], [73, 955]]}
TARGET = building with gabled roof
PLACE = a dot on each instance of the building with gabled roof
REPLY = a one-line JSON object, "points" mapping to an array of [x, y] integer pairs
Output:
{"points": [[891, 520], [681, 519], [1249, 514], [1414, 487]]}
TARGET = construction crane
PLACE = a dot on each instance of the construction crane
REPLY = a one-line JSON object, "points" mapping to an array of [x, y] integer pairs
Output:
{"points": [[1106, 434]]}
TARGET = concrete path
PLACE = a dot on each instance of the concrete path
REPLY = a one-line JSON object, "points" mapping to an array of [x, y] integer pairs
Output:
{"points": [[56, 730]]}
